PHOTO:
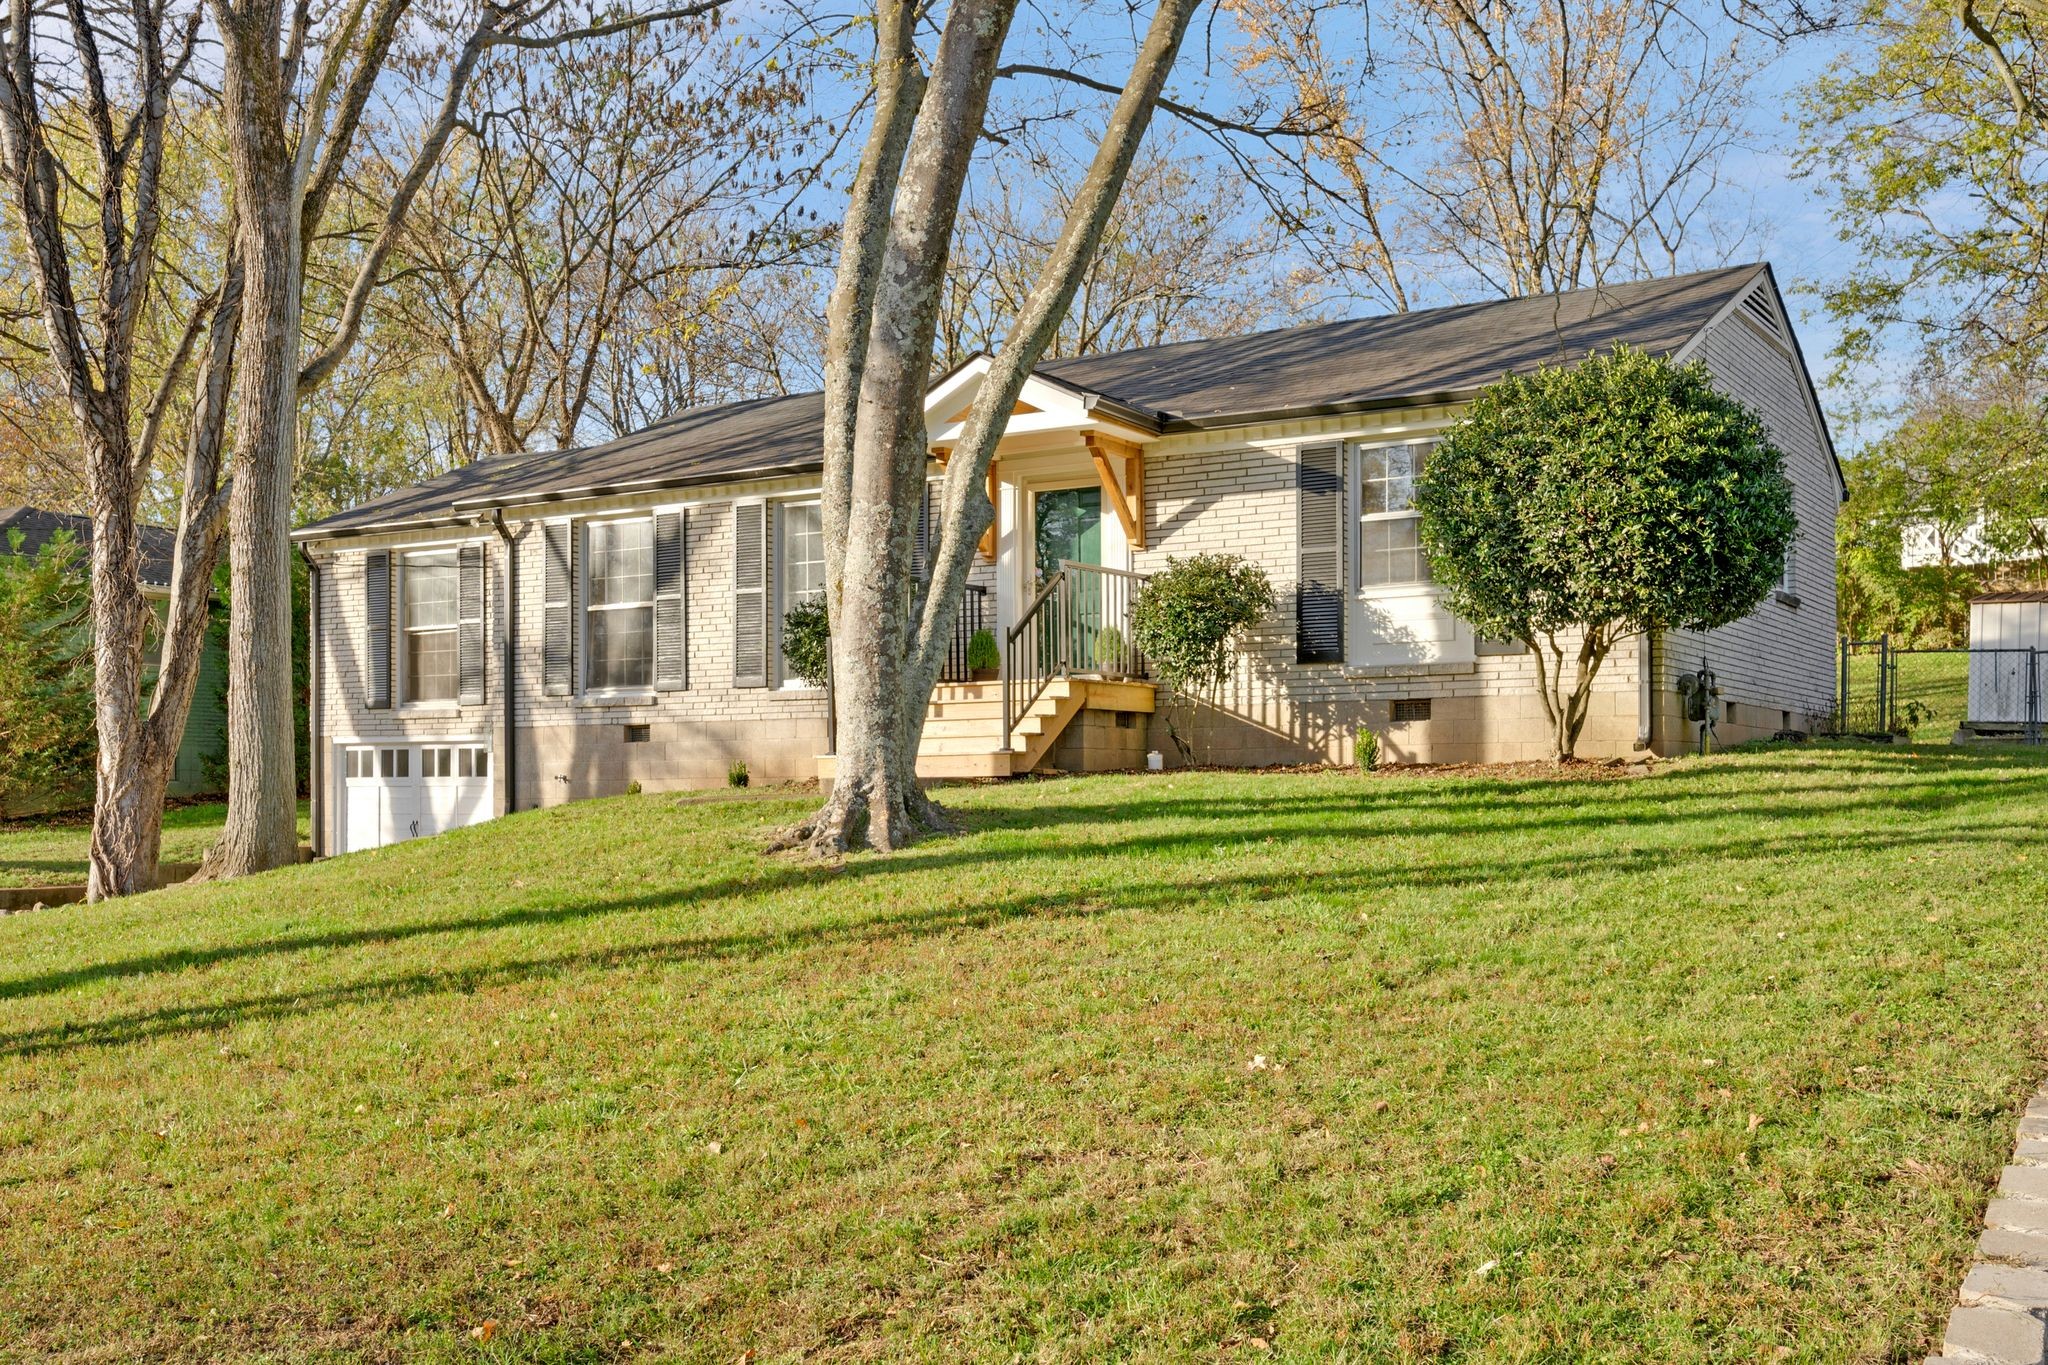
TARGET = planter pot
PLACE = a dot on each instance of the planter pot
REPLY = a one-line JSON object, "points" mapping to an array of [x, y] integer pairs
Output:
{"points": [[984, 674]]}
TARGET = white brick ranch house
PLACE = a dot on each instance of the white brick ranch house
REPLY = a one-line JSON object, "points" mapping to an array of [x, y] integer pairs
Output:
{"points": [[534, 629]]}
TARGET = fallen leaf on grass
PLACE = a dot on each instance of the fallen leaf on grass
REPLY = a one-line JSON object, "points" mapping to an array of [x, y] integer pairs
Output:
{"points": [[1756, 1121]]}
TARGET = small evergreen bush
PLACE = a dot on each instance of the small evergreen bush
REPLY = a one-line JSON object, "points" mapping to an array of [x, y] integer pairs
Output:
{"points": [[1185, 619]]}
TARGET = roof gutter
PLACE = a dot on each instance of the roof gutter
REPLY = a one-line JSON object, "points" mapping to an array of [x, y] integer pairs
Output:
{"points": [[1095, 403], [306, 535], [499, 501], [1347, 408]]}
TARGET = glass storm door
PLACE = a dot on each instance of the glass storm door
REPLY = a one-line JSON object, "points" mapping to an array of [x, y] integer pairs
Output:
{"points": [[1067, 524]]}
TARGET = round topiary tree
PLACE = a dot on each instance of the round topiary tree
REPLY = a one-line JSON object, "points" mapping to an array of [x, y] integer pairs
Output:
{"points": [[1184, 619], [1574, 508]]}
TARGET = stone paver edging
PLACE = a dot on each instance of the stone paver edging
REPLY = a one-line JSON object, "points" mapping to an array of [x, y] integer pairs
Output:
{"points": [[2001, 1315]]}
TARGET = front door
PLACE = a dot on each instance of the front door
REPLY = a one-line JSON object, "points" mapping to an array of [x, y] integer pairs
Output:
{"points": [[1067, 525]]}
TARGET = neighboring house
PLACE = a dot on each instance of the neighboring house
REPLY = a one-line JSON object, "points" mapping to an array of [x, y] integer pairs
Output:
{"points": [[630, 592], [1932, 545], [199, 766]]}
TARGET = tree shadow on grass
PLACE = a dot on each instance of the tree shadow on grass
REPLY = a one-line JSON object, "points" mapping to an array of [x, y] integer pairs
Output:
{"points": [[1063, 902], [1215, 825]]}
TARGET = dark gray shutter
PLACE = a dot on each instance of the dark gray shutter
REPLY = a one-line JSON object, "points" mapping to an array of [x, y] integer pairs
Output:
{"points": [[557, 621], [377, 622], [1319, 557], [749, 595], [469, 625], [671, 649]]}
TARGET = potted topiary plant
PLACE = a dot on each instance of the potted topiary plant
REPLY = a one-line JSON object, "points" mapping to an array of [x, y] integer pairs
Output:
{"points": [[807, 642], [984, 660], [1112, 658]]}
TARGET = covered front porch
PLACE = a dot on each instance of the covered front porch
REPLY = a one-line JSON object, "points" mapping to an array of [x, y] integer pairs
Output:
{"points": [[1054, 586]]}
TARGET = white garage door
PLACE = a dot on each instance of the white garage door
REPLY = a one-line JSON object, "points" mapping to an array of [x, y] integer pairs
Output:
{"points": [[393, 792]]}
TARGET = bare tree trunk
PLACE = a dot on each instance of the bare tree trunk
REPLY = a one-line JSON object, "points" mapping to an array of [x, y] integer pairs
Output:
{"points": [[123, 846], [287, 155], [887, 648], [875, 794], [1567, 707], [262, 823], [91, 356]]}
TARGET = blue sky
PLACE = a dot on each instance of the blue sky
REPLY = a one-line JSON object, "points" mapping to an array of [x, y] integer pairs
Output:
{"points": [[1789, 215]]}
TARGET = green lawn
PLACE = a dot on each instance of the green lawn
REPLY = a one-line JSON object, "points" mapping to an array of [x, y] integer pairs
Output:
{"points": [[1717, 1064], [53, 850]]}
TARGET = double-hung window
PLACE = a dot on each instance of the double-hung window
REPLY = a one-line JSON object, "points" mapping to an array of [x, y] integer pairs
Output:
{"points": [[618, 629], [428, 623], [800, 561], [1389, 553]]}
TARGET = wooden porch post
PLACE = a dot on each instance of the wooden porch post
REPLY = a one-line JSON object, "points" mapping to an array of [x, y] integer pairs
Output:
{"points": [[1127, 496], [987, 548]]}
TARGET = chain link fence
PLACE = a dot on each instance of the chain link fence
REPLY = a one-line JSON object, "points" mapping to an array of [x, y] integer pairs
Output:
{"points": [[1933, 695]]}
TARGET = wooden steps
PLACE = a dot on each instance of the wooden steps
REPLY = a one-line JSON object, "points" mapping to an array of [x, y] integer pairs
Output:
{"points": [[963, 731]]}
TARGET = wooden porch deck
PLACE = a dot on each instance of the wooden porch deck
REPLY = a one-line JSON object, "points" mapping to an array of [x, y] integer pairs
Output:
{"points": [[963, 730]]}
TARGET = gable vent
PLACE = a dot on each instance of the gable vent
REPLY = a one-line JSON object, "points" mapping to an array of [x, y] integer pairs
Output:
{"points": [[1758, 302]]}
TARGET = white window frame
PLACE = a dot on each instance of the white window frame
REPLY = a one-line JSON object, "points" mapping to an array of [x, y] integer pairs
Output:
{"points": [[580, 591], [778, 563], [1414, 604], [1788, 574], [463, 757], [1359, 517], [402, 668]]}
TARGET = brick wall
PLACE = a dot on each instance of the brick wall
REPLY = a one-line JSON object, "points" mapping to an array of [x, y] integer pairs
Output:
{"points": [[574, 747], [1205, 492], [1779, 661], [1241, 500]]}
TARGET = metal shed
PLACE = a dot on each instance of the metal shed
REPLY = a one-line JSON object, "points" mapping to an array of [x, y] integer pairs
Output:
{"points": [[2008, 634]]}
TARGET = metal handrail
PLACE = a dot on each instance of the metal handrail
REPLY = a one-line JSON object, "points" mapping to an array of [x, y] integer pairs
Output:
{"points": [[1011, 682], [1104, 570], [1047, 636]]}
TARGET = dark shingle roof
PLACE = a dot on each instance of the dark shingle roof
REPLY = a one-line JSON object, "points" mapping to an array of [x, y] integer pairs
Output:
{"points": [[1320, 367], [1404, 356], [760, 436], [159, 544]]}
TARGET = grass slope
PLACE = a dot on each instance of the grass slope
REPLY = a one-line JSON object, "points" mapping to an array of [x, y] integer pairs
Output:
{"points": [[1713, 1065], [54, 850]]}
